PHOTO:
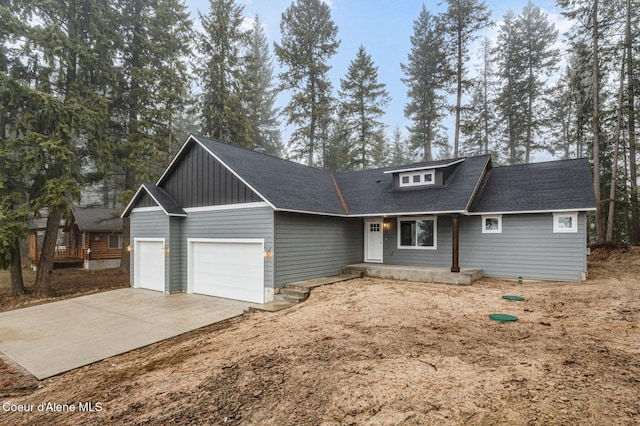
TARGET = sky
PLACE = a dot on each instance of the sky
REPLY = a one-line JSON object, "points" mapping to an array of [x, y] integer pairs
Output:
{"points": [[384, 28]]}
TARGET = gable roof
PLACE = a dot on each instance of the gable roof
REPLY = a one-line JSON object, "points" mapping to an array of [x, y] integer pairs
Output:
{"points": [[161, 198], [537, 187], [96, 219], [471, 185]]}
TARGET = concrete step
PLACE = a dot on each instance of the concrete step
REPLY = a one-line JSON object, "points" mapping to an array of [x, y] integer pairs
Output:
{"points": [[294, 294], [349, 272]]}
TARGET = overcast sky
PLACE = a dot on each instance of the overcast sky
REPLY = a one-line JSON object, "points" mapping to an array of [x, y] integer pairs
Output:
{"points": [[383, 27]]}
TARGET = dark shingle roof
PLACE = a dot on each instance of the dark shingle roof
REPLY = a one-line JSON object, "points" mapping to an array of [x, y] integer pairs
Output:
{"points": [[553, 185], [160, 196], [97, 219], [284, 184], [371, 191]]}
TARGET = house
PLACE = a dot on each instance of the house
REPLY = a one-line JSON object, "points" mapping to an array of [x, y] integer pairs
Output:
{"points": [[233, 223], [91, 237]]}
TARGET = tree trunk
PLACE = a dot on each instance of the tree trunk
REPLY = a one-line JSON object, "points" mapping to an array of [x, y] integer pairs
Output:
{"points": [[614, 161], [600, 231], [125, 258], [45, 263], [15, 270], [456, 142], [633, 170]]}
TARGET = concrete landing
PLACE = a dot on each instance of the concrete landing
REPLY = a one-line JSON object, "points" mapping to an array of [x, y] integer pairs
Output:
{"points": [[427, 274]]}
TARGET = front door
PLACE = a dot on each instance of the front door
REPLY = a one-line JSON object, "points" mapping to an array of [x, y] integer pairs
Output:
{"points": [[373, 239]]}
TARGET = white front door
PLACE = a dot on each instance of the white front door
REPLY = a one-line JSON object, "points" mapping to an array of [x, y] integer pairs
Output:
{"points": [[373, 240]]}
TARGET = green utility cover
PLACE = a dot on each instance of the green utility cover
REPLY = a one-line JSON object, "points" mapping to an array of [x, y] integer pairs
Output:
{"points": [[503, 317], [507, 297]]}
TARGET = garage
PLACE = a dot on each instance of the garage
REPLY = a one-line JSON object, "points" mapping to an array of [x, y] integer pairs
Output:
{"points": [[149, 263], [230, 268]]}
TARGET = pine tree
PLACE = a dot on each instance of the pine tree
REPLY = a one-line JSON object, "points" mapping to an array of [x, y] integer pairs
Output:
{"points": [[222, 74], [308, 42], [477, 120], [462, 21], [152, 92], [261, 94], [426, 78], [399, 154], [362, 101]]}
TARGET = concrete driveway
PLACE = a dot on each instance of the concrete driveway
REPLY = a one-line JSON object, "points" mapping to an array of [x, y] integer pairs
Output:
{"points": [[56, 337]]}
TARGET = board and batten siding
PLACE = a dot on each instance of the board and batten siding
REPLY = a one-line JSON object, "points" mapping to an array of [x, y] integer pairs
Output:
{"points": [[309, 246], [197, 179], [527, 248], [226, 223], [149, 224]]}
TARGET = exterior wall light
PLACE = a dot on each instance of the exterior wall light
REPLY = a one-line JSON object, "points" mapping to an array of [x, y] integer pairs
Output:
{"points": [[165, 249], [129, 248], [268, 254], [386, 225]]}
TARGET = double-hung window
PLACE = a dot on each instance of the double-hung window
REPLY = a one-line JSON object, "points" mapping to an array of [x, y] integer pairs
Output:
{"points": [[417, 233], [115, 241]]}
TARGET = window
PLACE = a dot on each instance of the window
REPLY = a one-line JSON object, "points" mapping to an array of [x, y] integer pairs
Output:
{"points": [[115, 241], [565, 222], [418, 178], [417, 233], [492, 224], [374, 227]]}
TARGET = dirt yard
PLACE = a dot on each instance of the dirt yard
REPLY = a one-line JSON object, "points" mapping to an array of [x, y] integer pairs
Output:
{"points": [[381, 352]]}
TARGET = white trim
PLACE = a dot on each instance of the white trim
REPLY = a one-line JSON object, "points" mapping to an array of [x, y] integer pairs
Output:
{"points": [[492, 231], [412, 219], [367, 223], [192, 136], [146, 209], [159, 204], [421, 181], [136, 262], [411, 213], [534, 211], [226, 207], [318, 213], [413, 169], [126, 209], [478, 183], [190, 242], [574, 222]]}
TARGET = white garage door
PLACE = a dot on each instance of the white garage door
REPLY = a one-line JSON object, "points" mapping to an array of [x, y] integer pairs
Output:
{"points": [[227, 268], [149, 264]]}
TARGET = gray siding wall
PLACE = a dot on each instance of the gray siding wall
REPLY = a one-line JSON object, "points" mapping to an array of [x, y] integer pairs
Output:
{"points": [[527, 248], [154, 224], [232, 223], [309, 246], [197, 179]]}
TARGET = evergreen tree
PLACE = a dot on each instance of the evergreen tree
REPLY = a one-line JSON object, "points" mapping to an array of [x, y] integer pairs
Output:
{"points": [[152, 92], [426, 78], [362, 101], [261, 94], [477, 120], [222, 75], [399, 154], [462, 21], [308, 41], [511, 107], [537, 37]]}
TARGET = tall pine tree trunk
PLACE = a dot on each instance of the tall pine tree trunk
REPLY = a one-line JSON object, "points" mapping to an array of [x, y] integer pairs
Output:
{"points": [[456, 142], [45, 263], [633, 171], [125, 257], [15, 270], [600, 230], [614, 161]]}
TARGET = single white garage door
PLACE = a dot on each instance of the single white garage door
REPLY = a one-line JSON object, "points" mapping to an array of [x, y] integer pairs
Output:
{"points": [[149, 264], [228, 268]]}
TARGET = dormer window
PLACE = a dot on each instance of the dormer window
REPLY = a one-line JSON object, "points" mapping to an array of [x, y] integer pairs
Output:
{"points": [[417, 178]]}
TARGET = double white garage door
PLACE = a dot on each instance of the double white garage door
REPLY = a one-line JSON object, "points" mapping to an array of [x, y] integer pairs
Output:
{"points": [[228, 268]]}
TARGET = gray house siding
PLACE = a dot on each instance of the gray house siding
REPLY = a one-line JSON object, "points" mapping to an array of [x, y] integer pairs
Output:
{"points": [[176, 269], [309, 246], [153, 224], [146, 201], [197, 179], [527, 248], [227, 223]]}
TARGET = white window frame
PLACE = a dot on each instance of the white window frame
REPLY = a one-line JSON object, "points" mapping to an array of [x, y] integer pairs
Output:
{"points": [[556, 222], [119, 242], [413, 219], [492, 231], [421, 180]]}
